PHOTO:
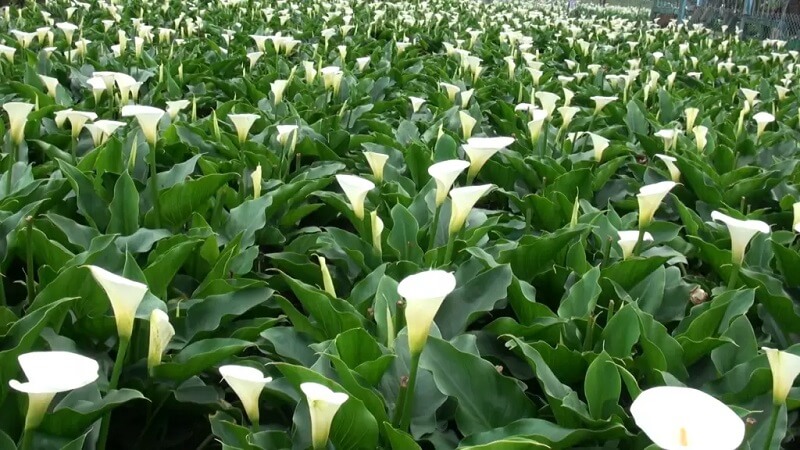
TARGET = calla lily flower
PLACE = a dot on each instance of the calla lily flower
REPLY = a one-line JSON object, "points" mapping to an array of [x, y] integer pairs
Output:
{"points": [[679, 418], [256, 178], [762, 120], [148, 118], [691, 116], [286, 132], [355, 189], [68, 29], [161, 332], [362, 63], [424, 293], [247, 383], [327, 281], [49, 373], [175, 107], [125, 296], [700, 137], [741, 231], [750, 96], [444, 174], [669, 136], [600, 102], [669, 161], [242, 123], [253, 58], [377, 162], [78, 119], [785, 368], [332, 78], [628, 239], [8, 52], [796, 215], [480, 149], [278, 87], [599, 144], [451, 90], [108, 127], [548, 101], [416, 103], [650, 197], [376, 224], [51, 84], [323, 404], [536, 123], [17, 118], [467, 124], [463, 200]]}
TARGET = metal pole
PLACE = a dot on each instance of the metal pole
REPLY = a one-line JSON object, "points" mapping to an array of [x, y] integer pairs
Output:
{"points": [[682, 12]]}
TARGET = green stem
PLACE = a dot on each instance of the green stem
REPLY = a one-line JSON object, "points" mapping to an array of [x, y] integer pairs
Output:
{"points": [[734, 277], [154, 186], [27, 440], [448, 253], [773, 421], [29, 280], [408, 404], [639, 241], [589, 336], [591, 124], [434, 228], [606, 251], [115, 374]]}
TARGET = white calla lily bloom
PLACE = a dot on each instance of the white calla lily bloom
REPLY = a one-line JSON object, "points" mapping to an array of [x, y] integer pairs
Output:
{"points": [[125, 296], [247, 383], [17, 117], [750, 96], [51, 84], [175, 107], [355, 189], [48, 374], [256, 177], [444, 173], [148, 118], [785, 368], [424, 294], [480, 149], [680, 418], [416, 103], [599, 144], [669, 161], [376, 224], [278, 87], [741, 231], [795, 215], [650, 197], [467, 124], [548, 100], [628, 239], [536, 123], [242, 123], [600, 102], [161, 332], [700, 137], [451, 90], [78, 119], [323, 404], [463, 200], [691, 117], [762, 120], [377, 162]]}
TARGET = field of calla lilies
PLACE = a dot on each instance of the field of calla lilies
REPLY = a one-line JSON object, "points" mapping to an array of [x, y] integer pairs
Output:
{"points": [[439, 225]]}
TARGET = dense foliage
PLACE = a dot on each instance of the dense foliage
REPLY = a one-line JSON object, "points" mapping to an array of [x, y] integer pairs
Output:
{"points": [[570, 296]]}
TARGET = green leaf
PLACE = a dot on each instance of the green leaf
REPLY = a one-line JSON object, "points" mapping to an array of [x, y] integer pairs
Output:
{"points": [[199, 357], [535, 253], [124, 207], [603, 386], [548, 433], [403, 236], [474, 295], [399, 440], [476, 385], [582, 297], [180, 201], [78, 410]]}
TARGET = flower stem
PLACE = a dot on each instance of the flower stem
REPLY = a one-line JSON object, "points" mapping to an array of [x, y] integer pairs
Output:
{"points": [[154, 186], [407, 402], [639, 241], [27, 440], [434, 229], [115, 374], [773, 421], [734, 277], [448, 253], [29, 279]]}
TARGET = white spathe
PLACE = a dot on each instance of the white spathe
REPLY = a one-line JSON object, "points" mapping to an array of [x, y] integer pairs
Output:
{"points": [[148, 118], [467, 124], [538, 116], [242, 123], [285, 132], [17, 118], [650, 197], [247, 383], [175, 107], [355, 189], [480, 149], [463, 199], [416, 103], [444, 173], [601, 101], [161, 332], [49, 373], [424, 293], [599, 144], [762, 120], [256, 177], [669, 161], [741, 231], [785, 368], [78, 119], [323, 404], [377, 162], [700, 137], [627, 241], [680, 418], [376, 224], [278, 87], [125, 296]]}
